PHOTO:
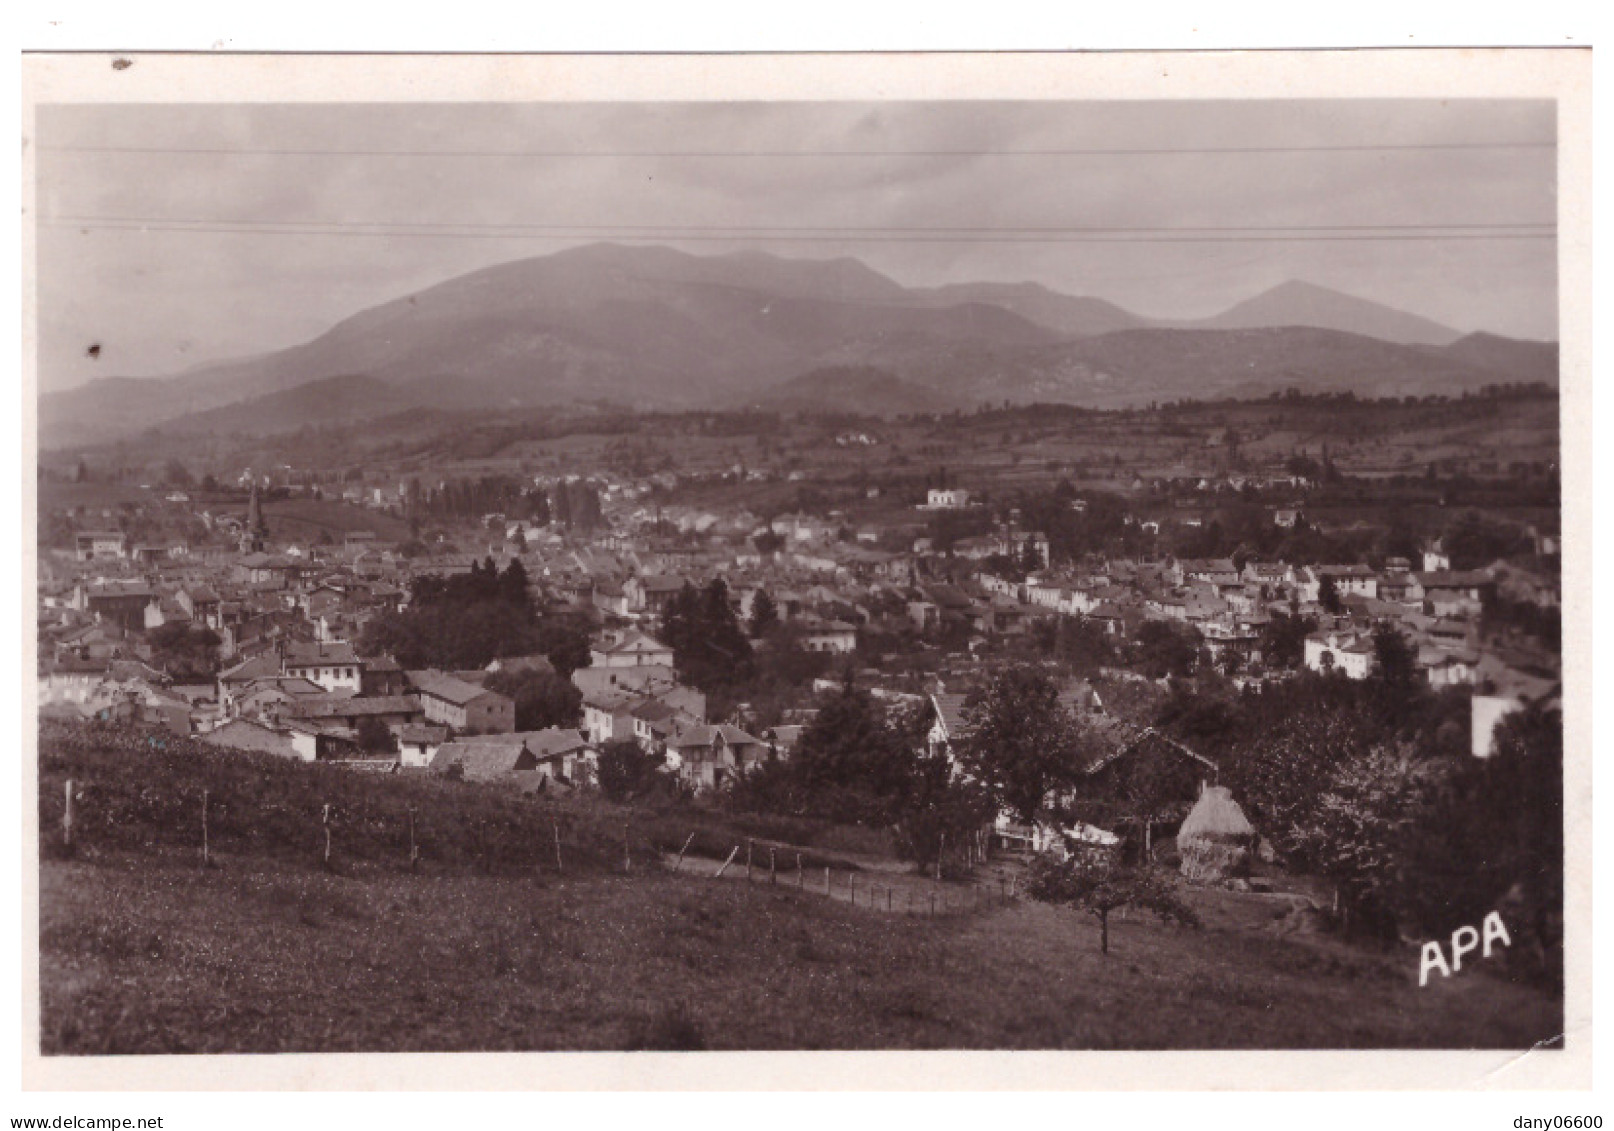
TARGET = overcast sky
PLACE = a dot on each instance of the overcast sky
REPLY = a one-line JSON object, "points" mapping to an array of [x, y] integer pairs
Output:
{"points": [[284, 243]]}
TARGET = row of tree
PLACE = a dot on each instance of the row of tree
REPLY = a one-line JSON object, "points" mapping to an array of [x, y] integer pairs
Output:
{"points": [[465, 621], [571, 503]]}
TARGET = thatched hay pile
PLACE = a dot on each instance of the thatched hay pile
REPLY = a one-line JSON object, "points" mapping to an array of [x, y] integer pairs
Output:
{"points": [[1216, 838]]}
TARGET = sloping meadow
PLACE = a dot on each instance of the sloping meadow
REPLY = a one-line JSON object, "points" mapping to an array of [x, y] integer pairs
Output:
{"points": [[139, 790]]}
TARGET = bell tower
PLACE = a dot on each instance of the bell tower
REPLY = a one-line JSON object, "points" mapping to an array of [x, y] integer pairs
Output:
{"points": [[255, 534]]}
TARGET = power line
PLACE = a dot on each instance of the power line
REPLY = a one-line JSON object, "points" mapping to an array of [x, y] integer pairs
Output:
{"points": [[1319, 234], [831, 229], [547, 154]]}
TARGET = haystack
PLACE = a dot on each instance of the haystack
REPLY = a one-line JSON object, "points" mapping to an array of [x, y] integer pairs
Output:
{"points": [[1216, 838]]}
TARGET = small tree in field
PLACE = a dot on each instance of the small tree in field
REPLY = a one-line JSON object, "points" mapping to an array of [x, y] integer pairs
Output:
{"points": [[1092, 880]]}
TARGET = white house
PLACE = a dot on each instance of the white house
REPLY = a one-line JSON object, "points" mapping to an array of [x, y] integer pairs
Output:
{"points": [[1346, 652], [633, 650], [827, 635], [333, 666], [947, 498]]}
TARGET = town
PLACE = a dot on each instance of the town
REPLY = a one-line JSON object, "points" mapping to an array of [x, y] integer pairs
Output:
{"points": [[733, 635], [302, 644]]}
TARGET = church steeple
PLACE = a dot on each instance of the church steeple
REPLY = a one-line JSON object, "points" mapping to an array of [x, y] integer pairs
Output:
{"points": [[252, 538]]}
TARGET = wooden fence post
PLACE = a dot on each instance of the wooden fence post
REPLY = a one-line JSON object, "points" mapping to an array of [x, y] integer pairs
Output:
{"points": [[932, 905], [941, 851], [719, 873], [747, 859], [801, 877], [414, 850], [325, 820], [676, 867], [67, 816], [627, 856], [773, 870], [559, 867], [888, 899], [204, 829], [826, 880]]}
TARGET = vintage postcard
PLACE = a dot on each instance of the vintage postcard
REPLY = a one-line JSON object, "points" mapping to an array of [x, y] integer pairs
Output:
{"points": [[928, 571]]}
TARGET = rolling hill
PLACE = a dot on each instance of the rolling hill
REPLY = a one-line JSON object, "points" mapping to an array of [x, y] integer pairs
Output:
{"points": [[658, 328], [865, 390], [1305, 304], [1509, 358]]}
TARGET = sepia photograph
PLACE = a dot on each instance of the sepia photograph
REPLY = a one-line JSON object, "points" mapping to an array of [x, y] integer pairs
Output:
{"points": [[719, 574]]}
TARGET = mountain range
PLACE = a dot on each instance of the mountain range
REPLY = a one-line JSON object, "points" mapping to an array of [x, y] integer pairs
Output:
{"points": [[654, 327]]}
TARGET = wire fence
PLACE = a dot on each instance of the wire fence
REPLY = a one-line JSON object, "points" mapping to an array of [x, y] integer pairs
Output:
{"points": [[908, 894]]}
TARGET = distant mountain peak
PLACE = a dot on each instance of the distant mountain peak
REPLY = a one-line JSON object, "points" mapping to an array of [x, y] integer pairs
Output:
{"points": [[1296, 302]]}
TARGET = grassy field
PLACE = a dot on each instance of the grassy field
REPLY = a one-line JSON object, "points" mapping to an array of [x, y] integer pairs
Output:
{"points": [[141, 954], [490, 945]]}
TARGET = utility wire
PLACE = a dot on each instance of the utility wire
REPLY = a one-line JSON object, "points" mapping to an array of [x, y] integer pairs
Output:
{"points": [[819, 229], [791, 153], [1342, 234]]}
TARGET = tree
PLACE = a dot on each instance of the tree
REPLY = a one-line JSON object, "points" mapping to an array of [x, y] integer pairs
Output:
{"points": [[1328, 594], [176, 474], [513, 587], [764, 613], [565, 645], [1279, 770], [1395, 674], [1283, 640], [542, 699], [1356, 832], [457, 622], [1165, 649], [1494, 840], [936, 809], [1019, 742], [375, 737], [710, 649], [188, 653], [1092, 880], [850, 763], [626, 770]]}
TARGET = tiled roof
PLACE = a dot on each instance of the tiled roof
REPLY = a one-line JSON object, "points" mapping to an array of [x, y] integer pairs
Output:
{"points": [[263, 666], [441, 685], [300, 654], [483, 761], [349, 706]]}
